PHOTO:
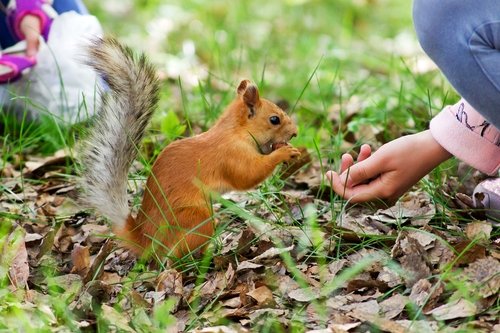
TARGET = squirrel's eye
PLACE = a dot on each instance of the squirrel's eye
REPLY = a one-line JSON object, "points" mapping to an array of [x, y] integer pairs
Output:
{"points": [[275, 120]]}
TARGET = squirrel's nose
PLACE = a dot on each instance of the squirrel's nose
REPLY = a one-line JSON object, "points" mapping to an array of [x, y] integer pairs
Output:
{"points": [[293, 135]]}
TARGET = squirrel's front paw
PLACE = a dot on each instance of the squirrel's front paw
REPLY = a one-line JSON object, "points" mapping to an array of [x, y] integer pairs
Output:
{"points": [[288, 153]]}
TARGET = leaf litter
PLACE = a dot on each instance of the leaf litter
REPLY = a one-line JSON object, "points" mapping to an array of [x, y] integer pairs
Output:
{"points": [[339, 269]]}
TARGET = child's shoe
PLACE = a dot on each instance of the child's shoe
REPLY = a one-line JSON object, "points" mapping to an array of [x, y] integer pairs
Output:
{"points": [[487, 196], [12, 67]]}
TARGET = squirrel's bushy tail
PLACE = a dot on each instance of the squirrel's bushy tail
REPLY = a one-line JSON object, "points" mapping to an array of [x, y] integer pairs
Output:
{"points": [[112, 144]]}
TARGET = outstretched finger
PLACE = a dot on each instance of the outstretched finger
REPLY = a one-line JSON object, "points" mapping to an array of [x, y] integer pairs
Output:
{"points": [[364, 152], [346, 162], [362, 172]]}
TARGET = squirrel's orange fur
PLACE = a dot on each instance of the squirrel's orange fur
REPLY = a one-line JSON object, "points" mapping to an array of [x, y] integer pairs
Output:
{"points": [[235, 154]]}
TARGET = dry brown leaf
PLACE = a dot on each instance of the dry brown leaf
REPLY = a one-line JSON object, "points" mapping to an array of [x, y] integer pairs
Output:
{"points": [[335, 266], [275, 313], [221, 329], [414, 206], [234, 302], [393, 306], [459, 308], [485, 276], [32, 237], [305, 294], [362, 309], [272, 253], [37, 169], [419, 326], [358, 284], [425, 239], [247, 265], [19, 270], [467, 253], [424, 293], [80, 257], [344, 327], [218, 281], [390, 277], [96, 268], [115, 320], [62, 239], [384, 324], [286, 284], [111, 278], [170, 282], [92, 233], [413, 258], [479, 229], [263, 295], [441, 254], [357, 219]]}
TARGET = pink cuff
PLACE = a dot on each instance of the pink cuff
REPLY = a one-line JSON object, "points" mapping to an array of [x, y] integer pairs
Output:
{"points": [[463, 132], [21, 15], [29, 7]]}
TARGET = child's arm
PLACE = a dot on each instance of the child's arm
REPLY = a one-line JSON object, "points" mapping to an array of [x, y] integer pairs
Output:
{"points": [[30, 27], [390, 171]]}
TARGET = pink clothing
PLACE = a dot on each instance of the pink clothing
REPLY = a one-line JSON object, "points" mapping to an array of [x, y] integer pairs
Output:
{"points": [[463, 132]]}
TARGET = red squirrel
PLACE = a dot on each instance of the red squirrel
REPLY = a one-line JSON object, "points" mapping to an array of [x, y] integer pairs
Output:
{"points": [[238, 152]]}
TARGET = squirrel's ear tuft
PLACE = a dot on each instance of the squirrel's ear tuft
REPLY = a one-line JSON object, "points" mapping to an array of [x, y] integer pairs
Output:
{"points": [[243, 86], [250, 95]]}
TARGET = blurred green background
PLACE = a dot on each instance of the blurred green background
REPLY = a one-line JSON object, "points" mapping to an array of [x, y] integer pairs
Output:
{"points": [[351, 71]]}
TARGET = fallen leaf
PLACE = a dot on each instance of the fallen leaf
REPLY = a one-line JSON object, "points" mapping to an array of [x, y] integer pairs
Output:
{"points": [[170, 282], [390, 277], [221, 329], [362, 309], [414, 261], [418, 326], [115, 319], [263, 295], [272, 253], [304, 294], [247, 265], [80, 257], [357, 219], [275, 313], [468, 254], [344, 327], [485, 276], [19, 270], [111, 278], [234, 302], [393, 306], [459, 308], [479, 229], [358, 284], [417, 207], [97, 266], [423, 293]]}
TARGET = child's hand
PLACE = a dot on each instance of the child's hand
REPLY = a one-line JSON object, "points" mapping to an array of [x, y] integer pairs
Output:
{"points": [[31, 28], [390, 171]]}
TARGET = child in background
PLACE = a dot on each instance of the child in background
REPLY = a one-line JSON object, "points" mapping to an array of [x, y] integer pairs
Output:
{"points": [[27, 20], [42, 43], [463, 39]]}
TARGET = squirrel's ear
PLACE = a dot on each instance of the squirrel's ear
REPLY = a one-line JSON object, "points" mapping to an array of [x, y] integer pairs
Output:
{"points": [[250, 95]]}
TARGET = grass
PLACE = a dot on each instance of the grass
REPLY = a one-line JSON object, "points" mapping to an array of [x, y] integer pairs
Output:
{"points": [[347, 70]]}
